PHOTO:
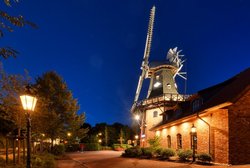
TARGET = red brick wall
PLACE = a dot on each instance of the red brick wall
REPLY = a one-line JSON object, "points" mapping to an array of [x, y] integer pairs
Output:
{"points": [[239, 135], [219, 134]]}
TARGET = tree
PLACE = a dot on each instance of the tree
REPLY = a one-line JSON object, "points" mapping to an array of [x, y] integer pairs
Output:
{"points": [[11, 112], [56, 109], [7, 23]]}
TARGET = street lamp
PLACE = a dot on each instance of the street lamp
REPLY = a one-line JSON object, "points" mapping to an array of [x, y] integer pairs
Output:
{"points": [[28, 103], [193, 133]]}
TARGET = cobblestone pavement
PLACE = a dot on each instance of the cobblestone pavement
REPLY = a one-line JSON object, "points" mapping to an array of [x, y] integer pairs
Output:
{"points": [[112, 159]]}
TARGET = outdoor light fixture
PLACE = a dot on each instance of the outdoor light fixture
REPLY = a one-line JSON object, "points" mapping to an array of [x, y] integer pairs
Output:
{"points": [[193, 129], [157, 84], [100, 141], [69, 134], [136, 136], [29, 104], [137, 117]]}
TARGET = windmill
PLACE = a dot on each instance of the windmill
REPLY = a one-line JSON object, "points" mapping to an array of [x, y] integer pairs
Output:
{"points": [[175, 59], [144, 65]]}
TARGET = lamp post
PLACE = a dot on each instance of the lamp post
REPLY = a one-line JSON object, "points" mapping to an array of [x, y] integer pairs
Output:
{"points": [[28, 103], [193, 133], [140, 120]]}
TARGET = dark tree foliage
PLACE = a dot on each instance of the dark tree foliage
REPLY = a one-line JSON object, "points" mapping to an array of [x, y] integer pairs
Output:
{"points": [[7, 23], [11, 112], [56, 111], [110, 133]]}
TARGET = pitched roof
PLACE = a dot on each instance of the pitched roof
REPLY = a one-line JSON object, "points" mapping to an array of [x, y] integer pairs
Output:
{"points": [[228, 91]]}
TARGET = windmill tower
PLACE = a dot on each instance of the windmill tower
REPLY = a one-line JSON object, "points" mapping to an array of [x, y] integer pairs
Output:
{"points": [[162, 91]]}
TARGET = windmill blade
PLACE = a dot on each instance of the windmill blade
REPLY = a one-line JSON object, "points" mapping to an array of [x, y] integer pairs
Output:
{"points": [[144, 65], [149, 37], [181, 76], [139, 86]]}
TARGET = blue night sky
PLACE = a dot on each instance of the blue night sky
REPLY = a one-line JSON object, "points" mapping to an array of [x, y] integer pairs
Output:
{"points": [[97, 46]]}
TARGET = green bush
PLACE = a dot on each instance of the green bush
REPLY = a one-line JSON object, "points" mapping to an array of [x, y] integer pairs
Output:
{"points": [[166, 153], [147, 152], [132, 152], [44, 160], [184, 155], [106, 148], [123, 146], [204, 157], [92, 146], [72, 148], [126, 146], [155, 142], [158, 151], [58, 150]]}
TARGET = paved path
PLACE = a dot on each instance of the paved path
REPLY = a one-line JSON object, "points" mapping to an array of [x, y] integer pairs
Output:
{"points": [[112, 159]]}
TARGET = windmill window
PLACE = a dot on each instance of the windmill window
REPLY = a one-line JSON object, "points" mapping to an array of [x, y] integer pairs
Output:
{"points": [[179, 141], [155, 114], [168, 86]]}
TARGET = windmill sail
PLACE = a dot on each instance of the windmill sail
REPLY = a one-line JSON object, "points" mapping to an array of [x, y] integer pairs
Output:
{"points": [[144, 65]]}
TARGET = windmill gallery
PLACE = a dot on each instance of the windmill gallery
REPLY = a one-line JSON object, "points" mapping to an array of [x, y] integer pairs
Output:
{"points": [[220, 114]]}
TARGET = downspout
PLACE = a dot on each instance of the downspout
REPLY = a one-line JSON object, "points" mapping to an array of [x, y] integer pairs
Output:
{"points": [[209, 130]]}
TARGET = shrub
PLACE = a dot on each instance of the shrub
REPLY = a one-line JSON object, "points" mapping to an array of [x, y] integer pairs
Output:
{"points": [[92, 146], [72, 148], [166, 153], [147, 152], [185, 155], [121, 147], [106, 148], [204, 157], [154, 142], [132, 152], [158, 151], [126, 146], [58, 150], [44, 160]]}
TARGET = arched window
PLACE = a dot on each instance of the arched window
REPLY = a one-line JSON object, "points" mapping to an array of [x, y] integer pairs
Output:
{"points": [[169, 141], [179, 141], [155, 114]]}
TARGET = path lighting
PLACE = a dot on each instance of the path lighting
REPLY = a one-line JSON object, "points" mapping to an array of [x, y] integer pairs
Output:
{"points": [[193, 133], [69, 134], [29, 104]]}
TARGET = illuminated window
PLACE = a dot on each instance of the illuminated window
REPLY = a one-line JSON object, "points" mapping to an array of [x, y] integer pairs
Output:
{"points": [[169, 141], [155, 114], [179, 141]]}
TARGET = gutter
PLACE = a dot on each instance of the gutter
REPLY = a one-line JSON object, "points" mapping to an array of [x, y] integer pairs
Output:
{"points": [[209, 132]]}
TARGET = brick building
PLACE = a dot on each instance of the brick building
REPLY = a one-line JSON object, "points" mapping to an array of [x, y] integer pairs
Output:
{"points": [[221, 115]]}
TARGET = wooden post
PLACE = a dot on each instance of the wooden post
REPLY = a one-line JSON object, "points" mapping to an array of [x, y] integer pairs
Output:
{"points": [[18, 145], [24, 151], [7, 149], [14, 150]]}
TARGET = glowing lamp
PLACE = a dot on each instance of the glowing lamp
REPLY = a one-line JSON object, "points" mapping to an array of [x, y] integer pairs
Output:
{"points": [[28, 102], [193, 129]]}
